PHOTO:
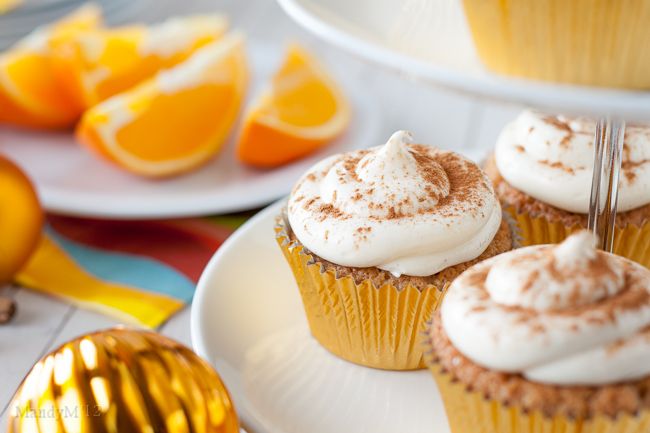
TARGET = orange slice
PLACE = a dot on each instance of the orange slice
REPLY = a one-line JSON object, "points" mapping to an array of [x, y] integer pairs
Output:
{"points": [[20, 220], [30, 94], [175, 121], [104, 62], [302, 111]]}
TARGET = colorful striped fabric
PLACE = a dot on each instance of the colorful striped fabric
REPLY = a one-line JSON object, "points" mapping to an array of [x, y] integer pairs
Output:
{"points": [[139, 272]]}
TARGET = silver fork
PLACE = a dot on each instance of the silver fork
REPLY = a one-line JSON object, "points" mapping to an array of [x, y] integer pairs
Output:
{"points": [[608, 150]]}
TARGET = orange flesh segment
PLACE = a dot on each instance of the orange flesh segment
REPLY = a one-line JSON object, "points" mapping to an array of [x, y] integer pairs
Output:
{"points": [[26, 72], [149, 138], [160, 129], [302, 112], [32, 93], [107, 62], [295, 84]]}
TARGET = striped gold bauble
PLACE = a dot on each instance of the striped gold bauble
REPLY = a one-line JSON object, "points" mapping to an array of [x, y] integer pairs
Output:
{"points": [[122, 381]]}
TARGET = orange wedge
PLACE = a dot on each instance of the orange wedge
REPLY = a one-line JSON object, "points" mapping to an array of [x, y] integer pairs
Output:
{"points": [[30, 94], [104, 62], [175, 121], [302, 111]]}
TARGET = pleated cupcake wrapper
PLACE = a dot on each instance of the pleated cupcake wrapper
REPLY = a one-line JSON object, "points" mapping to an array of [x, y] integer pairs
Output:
{"points": [[378, 327], [631, 241], [469, 411], [594, 42]]}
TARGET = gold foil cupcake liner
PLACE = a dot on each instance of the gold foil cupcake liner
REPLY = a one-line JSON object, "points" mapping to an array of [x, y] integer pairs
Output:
{"points": [[471, 412], [631, 241], [378, 327], [564, 41]]}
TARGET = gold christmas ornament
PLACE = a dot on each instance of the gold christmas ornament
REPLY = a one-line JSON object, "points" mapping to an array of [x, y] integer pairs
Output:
{"points": [[122, 381]]}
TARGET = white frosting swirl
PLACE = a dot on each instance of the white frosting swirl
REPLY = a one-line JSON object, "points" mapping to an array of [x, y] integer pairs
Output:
{"points": [[405, 208], [551, 159], [559, 314]]}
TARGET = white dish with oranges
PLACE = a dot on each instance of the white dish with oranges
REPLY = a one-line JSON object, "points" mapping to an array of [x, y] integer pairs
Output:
{"points": [[72, 181], [156, 111]]}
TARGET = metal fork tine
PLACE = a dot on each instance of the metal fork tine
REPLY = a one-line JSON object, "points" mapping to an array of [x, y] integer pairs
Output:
{"points": [[608, 149], [594, 200]]}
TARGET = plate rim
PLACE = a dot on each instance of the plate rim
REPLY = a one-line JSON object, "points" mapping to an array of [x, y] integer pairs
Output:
{"points": [[200, 210]]}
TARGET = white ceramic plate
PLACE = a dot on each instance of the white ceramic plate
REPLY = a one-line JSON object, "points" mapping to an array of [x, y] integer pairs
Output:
{"points": [[430, 40], [72, 181], [248, 321]]}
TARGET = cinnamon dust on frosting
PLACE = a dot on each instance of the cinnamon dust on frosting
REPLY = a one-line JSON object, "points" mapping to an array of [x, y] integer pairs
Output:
{"points": [[550, 158], [523, 203], [426, 208], [562, 314]]}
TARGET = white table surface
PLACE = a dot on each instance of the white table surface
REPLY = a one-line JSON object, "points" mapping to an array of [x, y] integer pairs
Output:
{"points": [[435, 116]]}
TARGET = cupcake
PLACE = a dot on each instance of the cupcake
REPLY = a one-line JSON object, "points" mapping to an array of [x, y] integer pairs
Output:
{"points": [[546, 338], [374, 237], [542, 171], [597, 43]]}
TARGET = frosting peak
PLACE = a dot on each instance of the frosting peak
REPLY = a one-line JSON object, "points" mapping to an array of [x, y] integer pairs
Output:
{"points": [[396, 144], [568, 276], [579, 249], [409, 178], [403, 207], [561, 314], [551, 159]]}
